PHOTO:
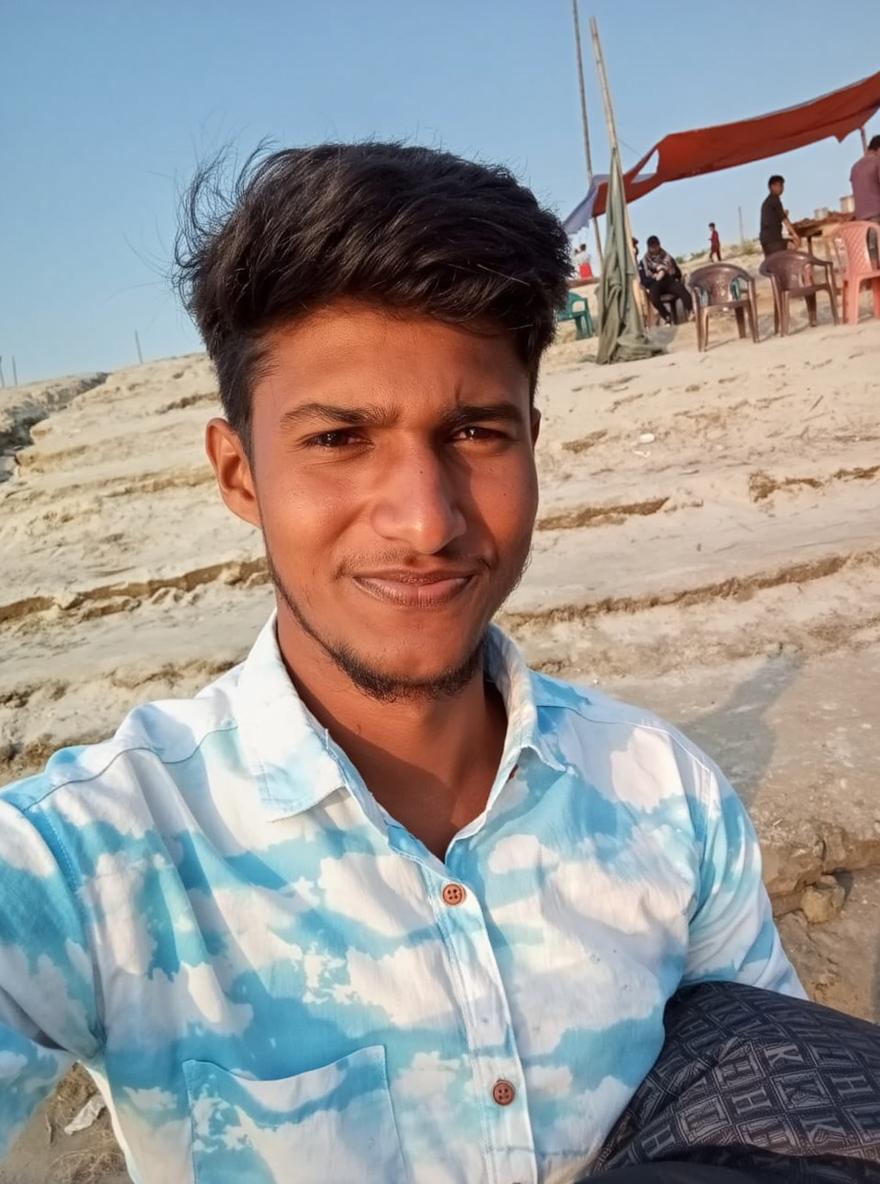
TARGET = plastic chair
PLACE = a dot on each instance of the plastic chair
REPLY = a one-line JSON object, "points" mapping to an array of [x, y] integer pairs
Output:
{"points": [[857, 266], [578, 310], [793, 273], [721, 286]]}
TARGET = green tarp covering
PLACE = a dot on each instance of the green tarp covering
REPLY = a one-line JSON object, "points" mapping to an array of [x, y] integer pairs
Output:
{"points": [[621, 332]]}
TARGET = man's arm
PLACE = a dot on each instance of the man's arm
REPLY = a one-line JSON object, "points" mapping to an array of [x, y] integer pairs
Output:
{"points": [[653, 266], [793, 234], [732, 934], [48, 1004]]}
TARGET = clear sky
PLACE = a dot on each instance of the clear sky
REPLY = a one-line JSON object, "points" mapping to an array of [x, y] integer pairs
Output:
{"points": [[105, 106]]}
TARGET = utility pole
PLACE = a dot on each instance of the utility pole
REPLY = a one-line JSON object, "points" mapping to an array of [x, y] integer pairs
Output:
{"points": [[137, 342], [14, 372], [588, 156], [742, 233], [2, 379], [864, 139]]}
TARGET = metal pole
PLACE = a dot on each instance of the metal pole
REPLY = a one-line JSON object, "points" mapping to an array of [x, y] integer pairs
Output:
{"points": [[137, 342], [14, 372], [588, 156], [742, 232], [609, 117], [864, 139], [2, 379]]}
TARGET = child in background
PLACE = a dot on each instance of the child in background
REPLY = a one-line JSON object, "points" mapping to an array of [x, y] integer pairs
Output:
{"points": [[714, 244]]}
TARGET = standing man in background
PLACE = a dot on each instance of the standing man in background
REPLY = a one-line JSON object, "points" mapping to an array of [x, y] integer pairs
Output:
{"points": [[714, 244], [865, 181], [773, 217]]}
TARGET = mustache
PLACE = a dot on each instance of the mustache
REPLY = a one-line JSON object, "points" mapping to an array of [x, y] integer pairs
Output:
{"points": [[401, 560]]}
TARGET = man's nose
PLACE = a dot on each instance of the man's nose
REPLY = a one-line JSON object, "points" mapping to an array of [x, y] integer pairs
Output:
{"points": [[418, 503]]}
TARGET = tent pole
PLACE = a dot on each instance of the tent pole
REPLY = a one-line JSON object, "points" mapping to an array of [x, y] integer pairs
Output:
{"points": [[609, 112], [864, 139], [588, 156], [612, 139]]}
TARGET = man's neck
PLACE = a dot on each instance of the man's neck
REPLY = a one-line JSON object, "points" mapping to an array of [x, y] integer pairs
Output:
{"points": [[430, 762]]}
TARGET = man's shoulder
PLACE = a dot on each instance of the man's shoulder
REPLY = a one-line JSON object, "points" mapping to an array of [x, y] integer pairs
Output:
{"points": [[168, 731], [610, 722]]}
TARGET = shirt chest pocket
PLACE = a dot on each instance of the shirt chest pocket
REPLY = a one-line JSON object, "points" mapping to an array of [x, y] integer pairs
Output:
{"points": [[332, 1123]]}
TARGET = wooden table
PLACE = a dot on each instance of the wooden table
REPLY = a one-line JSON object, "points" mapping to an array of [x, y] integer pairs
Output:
{"points": [[821, 228]]}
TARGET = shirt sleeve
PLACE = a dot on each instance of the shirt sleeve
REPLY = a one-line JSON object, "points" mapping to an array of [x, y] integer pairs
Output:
{"points": [[48, 1000], [733, 937]]}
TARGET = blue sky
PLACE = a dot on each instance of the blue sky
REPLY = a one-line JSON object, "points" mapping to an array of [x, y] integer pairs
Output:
{"points": [[106, 106]]}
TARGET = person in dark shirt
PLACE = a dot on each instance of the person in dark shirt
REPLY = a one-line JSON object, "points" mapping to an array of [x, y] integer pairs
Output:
{"points": [[773, 217], [664, 279]]}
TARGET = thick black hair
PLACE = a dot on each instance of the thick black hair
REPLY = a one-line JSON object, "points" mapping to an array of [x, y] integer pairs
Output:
{"points": [[774, 179], [406, 228], [874, 145], [653, 241]]}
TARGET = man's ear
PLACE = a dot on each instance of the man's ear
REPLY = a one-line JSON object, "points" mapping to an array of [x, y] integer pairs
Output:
{"points": [[232, 468], [536, 425]]}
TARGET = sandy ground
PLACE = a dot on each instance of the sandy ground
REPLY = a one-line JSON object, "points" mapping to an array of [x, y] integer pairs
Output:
{"points": [[708, 545]]}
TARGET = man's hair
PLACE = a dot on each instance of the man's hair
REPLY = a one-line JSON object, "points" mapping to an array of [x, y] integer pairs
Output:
{"points": [[776, 179], [874, 145], [712, 224], [405, 228], [653, 241]]}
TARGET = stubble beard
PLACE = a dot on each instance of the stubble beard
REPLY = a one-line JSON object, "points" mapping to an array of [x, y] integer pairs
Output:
{"points": [[377, 683]]}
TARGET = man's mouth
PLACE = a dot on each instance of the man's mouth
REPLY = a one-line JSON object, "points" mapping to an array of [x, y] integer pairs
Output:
{"points": [[416, 589]]}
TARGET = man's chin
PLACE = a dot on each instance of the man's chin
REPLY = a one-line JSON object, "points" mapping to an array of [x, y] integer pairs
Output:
{"points": [[411, 674], [393, 655]]}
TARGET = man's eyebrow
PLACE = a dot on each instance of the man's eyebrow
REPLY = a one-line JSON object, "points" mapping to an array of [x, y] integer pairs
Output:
{"points": [[354, 417], [384, 417], [468, 413]]}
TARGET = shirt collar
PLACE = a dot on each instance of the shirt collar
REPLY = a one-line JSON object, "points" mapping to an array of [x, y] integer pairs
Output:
{"points": [[296, 763]]}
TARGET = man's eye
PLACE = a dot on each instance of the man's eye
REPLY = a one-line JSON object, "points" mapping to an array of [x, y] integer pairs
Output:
{"points": [[339, 438], [477, 433]]}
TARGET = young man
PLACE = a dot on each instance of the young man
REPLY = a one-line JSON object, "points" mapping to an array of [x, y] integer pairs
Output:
{"points": [[381, 903], [865, 181], [714, 244], [664, 279], [774, 217]]}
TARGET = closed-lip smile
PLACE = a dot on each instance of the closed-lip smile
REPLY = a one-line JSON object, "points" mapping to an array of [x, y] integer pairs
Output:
{"points": [[416, 589]]}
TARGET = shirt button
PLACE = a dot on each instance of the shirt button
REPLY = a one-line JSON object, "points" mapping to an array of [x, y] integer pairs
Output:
{"points": [[453, 894], [503, 1092]]}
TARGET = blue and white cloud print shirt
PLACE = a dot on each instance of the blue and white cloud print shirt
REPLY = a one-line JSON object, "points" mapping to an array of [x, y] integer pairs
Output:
{"points": [[273, 981]]}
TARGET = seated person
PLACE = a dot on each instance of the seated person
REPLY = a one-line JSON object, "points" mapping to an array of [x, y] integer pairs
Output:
{"points": [[664, 279], [381, 903]]}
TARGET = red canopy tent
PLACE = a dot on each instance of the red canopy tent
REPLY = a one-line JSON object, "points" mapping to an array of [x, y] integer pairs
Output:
{"points": [[708, 149]]}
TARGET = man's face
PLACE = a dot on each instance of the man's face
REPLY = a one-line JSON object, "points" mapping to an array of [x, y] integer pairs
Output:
{"points": [[393, 474], [778, 187], [654, 249]]}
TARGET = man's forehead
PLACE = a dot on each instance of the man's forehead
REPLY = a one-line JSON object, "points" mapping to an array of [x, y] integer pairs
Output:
{"points": [[363, 357]]}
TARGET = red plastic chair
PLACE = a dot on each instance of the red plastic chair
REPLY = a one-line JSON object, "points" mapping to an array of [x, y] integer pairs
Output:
{"points": [[851, 242]]}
